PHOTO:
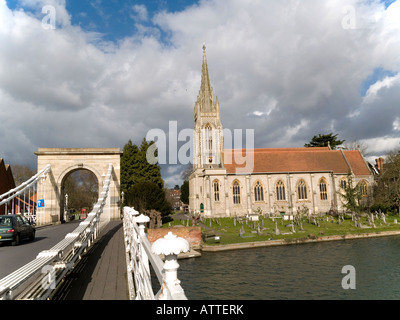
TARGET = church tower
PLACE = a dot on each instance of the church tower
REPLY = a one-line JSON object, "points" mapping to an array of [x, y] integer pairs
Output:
{"points": [[208, 137], [206, 183]]}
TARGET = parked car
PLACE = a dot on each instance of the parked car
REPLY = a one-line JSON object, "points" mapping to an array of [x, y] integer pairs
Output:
{"points": [[15, 228]]}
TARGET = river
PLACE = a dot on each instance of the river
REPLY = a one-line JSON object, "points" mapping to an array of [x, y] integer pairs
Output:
{"points": [[307, 271]]}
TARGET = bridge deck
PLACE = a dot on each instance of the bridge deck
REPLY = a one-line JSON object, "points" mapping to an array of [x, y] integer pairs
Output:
{"points": [[101, 274]]}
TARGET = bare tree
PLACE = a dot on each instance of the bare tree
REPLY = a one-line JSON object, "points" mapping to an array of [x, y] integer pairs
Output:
{"points": [[387, 192], [82, 189], [356, 145], [21, 173]]}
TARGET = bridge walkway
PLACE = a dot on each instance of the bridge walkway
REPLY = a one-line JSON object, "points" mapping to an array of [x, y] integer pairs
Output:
{"points": [[101, 274]]}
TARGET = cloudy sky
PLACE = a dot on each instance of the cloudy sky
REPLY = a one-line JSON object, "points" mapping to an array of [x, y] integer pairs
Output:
{"points": [[98, 73]]}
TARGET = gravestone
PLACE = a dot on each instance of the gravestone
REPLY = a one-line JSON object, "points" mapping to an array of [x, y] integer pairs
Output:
{"points": [[155, 218], [276, 229]]}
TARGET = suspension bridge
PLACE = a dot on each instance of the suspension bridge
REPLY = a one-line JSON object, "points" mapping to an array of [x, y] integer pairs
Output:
{"points": [[127, 262]]}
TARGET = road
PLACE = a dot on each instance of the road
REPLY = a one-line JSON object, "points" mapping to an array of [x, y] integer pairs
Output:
{"points": [[12, 258]]}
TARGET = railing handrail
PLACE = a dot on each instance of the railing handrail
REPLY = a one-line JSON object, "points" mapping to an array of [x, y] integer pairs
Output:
{"points": [[139, 253], [61, 256], [25, 184]]}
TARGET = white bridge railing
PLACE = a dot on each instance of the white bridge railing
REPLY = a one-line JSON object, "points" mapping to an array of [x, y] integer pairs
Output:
{"points": [[38, 279], [21, 198], [140, 254]]}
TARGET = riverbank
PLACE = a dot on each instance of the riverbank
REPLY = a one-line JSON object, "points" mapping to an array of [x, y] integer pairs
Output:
{"points": [[223, 234], [284, 242]]}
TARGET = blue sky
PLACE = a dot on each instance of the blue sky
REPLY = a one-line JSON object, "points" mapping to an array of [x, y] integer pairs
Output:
{"points": [[116, 18], [113, 70]]}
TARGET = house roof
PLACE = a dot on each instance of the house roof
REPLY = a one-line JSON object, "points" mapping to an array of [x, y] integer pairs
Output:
{"points": [[297, 160]]}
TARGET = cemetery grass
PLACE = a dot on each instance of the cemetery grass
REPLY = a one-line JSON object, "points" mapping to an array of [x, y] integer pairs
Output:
{"points": [[228, 233]]}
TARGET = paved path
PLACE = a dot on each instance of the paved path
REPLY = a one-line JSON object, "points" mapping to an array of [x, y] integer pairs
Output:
{"points": [[101, 274]]}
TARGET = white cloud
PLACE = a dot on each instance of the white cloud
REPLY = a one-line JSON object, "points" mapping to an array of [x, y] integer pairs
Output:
{"points": [[375, 88], [396, 124], [288, 65], [381, 145], [140, 13]]}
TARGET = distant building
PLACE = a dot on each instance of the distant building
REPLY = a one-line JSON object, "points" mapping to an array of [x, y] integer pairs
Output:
{"points": [[174, 197], [279, 180], [6, 182]]}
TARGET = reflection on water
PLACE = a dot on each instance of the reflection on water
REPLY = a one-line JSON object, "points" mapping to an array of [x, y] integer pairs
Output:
{"points": [[307, 271]]}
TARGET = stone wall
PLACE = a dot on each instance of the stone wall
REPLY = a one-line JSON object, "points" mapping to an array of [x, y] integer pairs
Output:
{"points": [[191, 234]]}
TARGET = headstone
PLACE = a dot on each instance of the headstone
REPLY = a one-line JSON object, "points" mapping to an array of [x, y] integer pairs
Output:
{"points": [[276, 229]]}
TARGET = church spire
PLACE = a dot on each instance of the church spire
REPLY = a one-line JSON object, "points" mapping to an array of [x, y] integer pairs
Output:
{"points": [[208, 139], [205, 98]]}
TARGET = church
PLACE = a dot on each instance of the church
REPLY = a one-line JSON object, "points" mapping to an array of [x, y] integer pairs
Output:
{"points": [[269, 181]]}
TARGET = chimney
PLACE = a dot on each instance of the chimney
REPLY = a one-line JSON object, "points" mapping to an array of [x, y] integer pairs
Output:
{"points": [[379, 164]]}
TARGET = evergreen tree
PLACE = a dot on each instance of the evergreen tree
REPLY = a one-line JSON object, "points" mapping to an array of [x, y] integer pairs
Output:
{"points": [[146, 171], [185, 192], [325, 140], [141, 181], [129, 166], [146, 195], [351, 196]]}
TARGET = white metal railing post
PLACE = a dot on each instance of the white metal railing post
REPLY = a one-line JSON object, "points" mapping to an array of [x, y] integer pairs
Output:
{"points": [[141, 220], [139, 255], [171, 246]]}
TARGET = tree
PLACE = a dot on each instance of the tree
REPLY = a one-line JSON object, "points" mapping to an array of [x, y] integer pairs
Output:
{"points": [[351, 196], [147, 171], [135, 167], [387, 191], [82, 188], [146, 195], [21, 174], [325, 140], [357, 145], [129, 165], [185, 192], [141, 181]]}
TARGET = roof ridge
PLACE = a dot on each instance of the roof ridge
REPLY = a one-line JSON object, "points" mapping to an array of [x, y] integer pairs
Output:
{"points": [[300, 149]]}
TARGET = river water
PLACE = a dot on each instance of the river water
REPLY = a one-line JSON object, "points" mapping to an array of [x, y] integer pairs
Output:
{"points": [[306, 271]]}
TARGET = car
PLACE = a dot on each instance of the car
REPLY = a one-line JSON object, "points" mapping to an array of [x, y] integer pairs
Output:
{"points": [[15, 228]]}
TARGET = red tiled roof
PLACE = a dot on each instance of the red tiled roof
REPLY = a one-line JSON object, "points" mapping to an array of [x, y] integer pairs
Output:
{"points": [[357, 163], [297, 160]]}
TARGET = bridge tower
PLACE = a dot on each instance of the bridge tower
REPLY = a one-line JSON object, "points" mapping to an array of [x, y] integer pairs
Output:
{"points": [[63, 162]]}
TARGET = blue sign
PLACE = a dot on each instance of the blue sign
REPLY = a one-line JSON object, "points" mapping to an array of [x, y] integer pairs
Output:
{"points": [[40, 203]]}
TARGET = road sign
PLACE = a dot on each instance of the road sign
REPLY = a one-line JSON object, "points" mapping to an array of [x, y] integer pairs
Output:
{"points": [[40, 203]]}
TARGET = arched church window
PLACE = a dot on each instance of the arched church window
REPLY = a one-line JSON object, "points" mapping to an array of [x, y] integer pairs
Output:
{"points": [[209, 140], [280, 191], [258, 192], [343, 183], [302, 190], [216, 190], [236, 192], [363, 188], [323, 190]]}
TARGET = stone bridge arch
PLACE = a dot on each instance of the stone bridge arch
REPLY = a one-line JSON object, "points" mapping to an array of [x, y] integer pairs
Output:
{"points": [[63, 162]]}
